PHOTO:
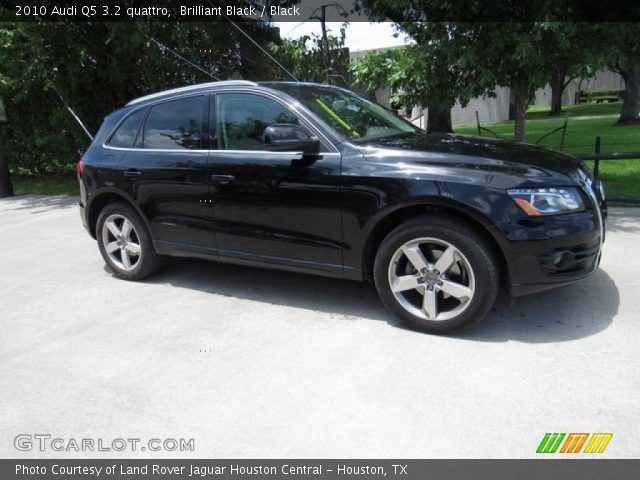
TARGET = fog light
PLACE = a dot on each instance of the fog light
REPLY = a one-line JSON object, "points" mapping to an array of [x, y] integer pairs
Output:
{"points": [[564, 259]]}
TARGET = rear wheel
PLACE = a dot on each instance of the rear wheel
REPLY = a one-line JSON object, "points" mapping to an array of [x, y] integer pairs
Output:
{"points": [[436, 274], [125, 243]]}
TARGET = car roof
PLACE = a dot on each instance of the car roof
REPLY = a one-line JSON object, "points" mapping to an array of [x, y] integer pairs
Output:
{"points": [[224, 83], [190, 88]]}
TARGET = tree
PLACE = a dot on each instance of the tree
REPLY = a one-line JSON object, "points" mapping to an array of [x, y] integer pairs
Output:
{"points": [[305, 57], [434, 72], [104, 66], [570, 52], [621, 42], [514, 54]]}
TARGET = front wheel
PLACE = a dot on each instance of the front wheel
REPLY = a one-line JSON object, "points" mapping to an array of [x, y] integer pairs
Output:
{"points": [[436, 274]]}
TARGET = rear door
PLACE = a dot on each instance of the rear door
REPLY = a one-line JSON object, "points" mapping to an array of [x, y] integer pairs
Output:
{"points": [[167, 174], [272, 207]]}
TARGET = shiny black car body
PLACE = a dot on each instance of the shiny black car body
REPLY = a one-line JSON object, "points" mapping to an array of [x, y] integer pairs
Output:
{"points": [[327, 210]]}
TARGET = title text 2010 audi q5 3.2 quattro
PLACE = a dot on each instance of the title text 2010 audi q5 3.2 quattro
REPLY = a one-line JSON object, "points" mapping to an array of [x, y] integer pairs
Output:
{"points": [[314, 178]]}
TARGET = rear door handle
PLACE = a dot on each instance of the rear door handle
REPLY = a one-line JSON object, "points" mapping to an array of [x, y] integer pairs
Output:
{"points": [[132, 172], [223, 179]]}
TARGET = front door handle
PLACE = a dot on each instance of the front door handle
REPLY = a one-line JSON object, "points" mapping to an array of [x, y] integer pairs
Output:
{"points": [[132, 172], [223, 179]]}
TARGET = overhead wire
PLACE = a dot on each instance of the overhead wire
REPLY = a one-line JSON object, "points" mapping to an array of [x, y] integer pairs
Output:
{"points": [[257, 45], [73, 114], [186, 60]]}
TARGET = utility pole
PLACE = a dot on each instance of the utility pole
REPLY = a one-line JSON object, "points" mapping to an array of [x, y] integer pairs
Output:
{"points": [[6, 188], [325, 43], [326, 53]]}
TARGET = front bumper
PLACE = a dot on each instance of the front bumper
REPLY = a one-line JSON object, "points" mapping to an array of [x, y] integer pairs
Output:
{"points": [[554, 251]]}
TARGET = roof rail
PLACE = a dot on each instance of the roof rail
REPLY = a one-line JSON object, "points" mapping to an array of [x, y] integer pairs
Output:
{"points": [[189, 88]]}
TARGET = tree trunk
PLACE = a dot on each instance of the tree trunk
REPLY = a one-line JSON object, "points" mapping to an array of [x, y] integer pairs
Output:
{"points": [[520, 109], [439, 120], [512, 102], [557, 89], [631, 103], [6, 188]]}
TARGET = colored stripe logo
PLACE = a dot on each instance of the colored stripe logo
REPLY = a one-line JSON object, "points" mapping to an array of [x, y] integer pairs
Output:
{"points": [[574, 442]]}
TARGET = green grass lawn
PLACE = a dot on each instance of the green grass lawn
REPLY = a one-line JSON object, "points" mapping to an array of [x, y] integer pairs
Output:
{"points": [[45, 186], [621, 177]]}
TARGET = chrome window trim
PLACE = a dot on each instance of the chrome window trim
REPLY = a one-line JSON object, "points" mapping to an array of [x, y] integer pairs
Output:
{"points": [[222, 152], [156, 150]]}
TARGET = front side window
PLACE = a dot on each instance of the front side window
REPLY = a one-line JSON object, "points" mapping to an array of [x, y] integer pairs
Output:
{"points": [[175, 125], [125, 135], [242, 118]]}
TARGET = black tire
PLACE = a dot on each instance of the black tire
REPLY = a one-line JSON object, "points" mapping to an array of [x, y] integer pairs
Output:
{"points": [[466, 240], [148, 261]]}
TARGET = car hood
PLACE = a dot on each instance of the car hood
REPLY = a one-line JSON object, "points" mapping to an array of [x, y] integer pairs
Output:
{"points": [[479, 153]]}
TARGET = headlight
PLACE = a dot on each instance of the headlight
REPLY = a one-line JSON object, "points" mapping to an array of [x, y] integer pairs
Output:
{"points": [[536, 202]]}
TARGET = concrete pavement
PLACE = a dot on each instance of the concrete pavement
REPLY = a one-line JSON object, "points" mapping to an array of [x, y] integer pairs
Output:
{"points": [[258, 363]]}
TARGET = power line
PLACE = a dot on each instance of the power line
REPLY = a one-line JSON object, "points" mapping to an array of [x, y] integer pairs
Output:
{"points": [[257, 44], [163, 46]]}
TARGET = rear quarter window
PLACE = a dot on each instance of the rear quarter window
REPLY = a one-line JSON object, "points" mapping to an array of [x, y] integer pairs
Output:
{"points": [[125, 135]]}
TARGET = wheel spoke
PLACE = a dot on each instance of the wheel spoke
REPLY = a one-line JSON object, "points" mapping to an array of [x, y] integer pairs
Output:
{"points": [[132, 248], [446, 259], [112, 247], [415, 256], [430, 303], [455, 289], [406, 282], [126, 260], [113, 228], [126, 228]]}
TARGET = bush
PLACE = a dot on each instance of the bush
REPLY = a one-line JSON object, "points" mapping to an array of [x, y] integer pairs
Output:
{"points": [[587, 96]]}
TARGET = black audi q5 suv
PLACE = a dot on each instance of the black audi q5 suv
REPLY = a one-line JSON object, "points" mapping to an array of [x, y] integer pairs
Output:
{"points": [[316, 179]]}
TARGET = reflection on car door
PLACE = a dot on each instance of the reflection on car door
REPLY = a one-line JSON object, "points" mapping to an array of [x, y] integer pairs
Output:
{"points": [[279, 207]]}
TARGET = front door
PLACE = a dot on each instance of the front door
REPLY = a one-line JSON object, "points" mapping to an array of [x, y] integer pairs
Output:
{"points": [[167, 174], [272, 207]]}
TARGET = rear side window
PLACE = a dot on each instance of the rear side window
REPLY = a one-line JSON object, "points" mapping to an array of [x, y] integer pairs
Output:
{"points": [[175, 125], [125, 135]]}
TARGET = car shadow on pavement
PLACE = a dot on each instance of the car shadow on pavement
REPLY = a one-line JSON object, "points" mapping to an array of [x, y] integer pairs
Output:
{"points": [[559, 315], [563, 314], [343, 299]]}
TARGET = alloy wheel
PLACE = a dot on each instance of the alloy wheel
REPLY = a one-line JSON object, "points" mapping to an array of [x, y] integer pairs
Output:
{"points": [[121, 242], [431, 279]]}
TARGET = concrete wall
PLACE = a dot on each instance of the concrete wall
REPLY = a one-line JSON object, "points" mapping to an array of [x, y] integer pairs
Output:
{"points": [[494, 110]]}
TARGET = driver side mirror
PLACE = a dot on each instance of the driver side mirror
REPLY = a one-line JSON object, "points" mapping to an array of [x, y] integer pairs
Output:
{"points": [[289, 138]]}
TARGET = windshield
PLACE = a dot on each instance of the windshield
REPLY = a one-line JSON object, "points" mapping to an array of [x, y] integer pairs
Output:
{"points": [[353, 116]]}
